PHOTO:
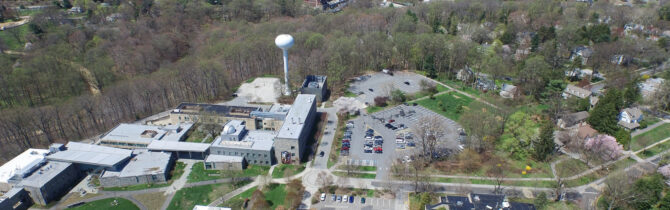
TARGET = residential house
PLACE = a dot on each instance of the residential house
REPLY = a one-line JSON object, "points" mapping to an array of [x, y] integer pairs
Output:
{"points": [[630, 118], [509, 91], [585, 131], [465, 74], [572, 90], [583, 52], [572, 119], [478, 201]]}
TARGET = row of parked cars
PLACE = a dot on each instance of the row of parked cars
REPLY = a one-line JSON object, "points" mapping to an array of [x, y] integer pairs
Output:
{"points": [[373, 143], [346, 139], [341, 198]]}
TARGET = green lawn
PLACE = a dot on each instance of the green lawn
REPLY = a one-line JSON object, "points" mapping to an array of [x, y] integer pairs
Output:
{"points": [[654, 150], [280, 170], [176, 172], [198, 172], [450, 105], [586, 179], [355, 175], [186, 198], [650, 137], [106, 204], [196, 136], [458, 85], [372, 109], [570, 167], [275, 194], [11, 41]]}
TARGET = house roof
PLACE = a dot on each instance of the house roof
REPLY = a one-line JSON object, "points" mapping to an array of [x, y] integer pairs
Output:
{"points": [[577, 91], [585, 131], [629, 126], [574, 118], [634, 113]]}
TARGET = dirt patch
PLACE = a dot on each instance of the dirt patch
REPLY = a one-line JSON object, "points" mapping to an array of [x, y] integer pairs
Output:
{"points": [[151, 200]]}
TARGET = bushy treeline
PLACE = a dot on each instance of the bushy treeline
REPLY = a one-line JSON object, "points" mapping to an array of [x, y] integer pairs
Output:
{"points": [[147, 56]]}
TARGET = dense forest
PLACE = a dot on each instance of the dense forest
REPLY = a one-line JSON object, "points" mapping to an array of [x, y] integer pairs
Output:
{"points": [[124, 60]]}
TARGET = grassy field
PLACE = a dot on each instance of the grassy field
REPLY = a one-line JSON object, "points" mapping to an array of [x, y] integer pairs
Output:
{"points": [[151, 200], [280, 170], [11, 41], [650, 137], [511, 168], [654, 150], [106, 204], [570, 167], [176, 172], [619, 165], [196, 136], [356, 175], [450, 105], [275, 194], [186, 198], [198, 172], [373, 109]]}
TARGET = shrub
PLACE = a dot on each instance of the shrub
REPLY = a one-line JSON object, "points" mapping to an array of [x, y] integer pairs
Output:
{"points": [[381, 101]]}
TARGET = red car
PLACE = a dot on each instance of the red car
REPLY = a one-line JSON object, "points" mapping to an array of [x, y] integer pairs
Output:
{"points": [[391, 120], [345, 148], [378, 149], [346, 140]]}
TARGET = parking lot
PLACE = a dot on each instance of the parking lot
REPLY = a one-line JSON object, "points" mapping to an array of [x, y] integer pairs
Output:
{"points": [[370, 203], [383, 161], [367, 87]]}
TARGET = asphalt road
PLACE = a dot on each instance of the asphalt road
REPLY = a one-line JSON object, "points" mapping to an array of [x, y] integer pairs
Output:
{"points": [[326, 140]]}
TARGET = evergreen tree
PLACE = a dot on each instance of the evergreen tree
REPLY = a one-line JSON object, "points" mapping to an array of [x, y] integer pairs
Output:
{"points": [[623, 137], [544, 145], [603, 118], [631, 94], [665, 202]]}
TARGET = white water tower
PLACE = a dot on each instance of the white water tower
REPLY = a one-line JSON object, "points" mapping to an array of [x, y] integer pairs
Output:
{"points": [[285, 41]]}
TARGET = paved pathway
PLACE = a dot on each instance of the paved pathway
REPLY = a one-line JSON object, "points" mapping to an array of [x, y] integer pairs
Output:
{"points": [[641, 131]]}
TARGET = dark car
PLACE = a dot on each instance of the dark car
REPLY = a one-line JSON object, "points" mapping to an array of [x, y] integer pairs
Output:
{"points": [[351, 199], [321, 154], [334, 197], [362, 200], [388, 125], [407, 82], [371, 90]]}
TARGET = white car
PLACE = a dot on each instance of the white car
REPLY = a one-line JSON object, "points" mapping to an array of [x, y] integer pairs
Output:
{"points": [[323, 196], [345, 198]]}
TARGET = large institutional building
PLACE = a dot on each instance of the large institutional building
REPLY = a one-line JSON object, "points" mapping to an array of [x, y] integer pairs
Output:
{"points": [[132, 154]]}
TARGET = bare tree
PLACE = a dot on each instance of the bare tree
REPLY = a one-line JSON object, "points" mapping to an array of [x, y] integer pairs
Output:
{"points": [[430, 130], [617, 190], [498, 175], [324, 180]]}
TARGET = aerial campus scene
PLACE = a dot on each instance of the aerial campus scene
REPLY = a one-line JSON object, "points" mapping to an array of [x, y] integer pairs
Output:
{"points": [[334, 104]]}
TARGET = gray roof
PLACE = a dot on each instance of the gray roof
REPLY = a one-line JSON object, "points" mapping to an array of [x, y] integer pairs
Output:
{"points": [[233, 127], [634, 113], [223, 110], [224, 158], [574, 118], [178, 146], [144, 134], [144, 163], [91, 154], [45, 174], [577, 91], [255, 140], [295, 119]]}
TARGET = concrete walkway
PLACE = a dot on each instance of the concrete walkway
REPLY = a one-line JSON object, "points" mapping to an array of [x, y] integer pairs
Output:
{"points": [[641, 131], [178, 184]]}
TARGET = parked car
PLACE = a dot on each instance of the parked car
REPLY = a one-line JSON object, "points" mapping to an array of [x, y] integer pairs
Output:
{"points": [[363, 200], [345, 147], [369, 131], [321, 154], [334, 197], [407, 82], [378, 149], [411, 144], [345, 198], [351, 199], [401, 126], [371, 90], [379, 138], [339, 198], [367, 149], [391, 120], [323, 196]]}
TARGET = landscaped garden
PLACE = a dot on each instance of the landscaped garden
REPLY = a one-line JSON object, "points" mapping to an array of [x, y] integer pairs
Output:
{"points": [[187, 198], [198, 172]]}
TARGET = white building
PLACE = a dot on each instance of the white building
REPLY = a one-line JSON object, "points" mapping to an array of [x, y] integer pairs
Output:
{"points": [[630, 118], [12, 172]]}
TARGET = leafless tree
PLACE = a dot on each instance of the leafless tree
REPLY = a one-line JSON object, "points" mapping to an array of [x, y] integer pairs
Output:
{"points": [[497, 173], [430, 130], [324, 180]]}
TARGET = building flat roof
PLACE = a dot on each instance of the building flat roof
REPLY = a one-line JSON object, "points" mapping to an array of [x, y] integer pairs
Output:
{"points": [[177, 146], [255, 140], [22, 164], [224, 158], [45, 174], [91, 154], [143, 163], [144, 134], [296, 117], [225, 110]]}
